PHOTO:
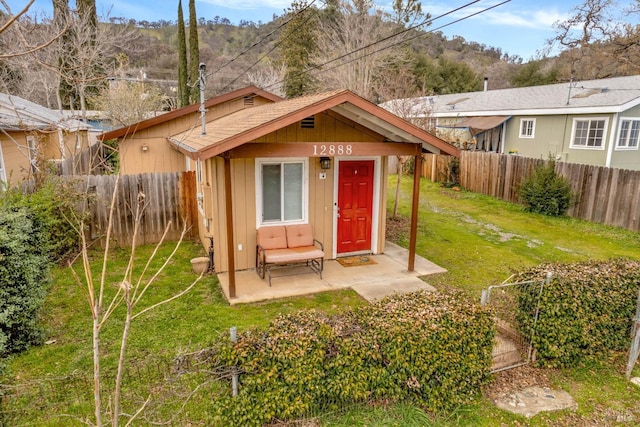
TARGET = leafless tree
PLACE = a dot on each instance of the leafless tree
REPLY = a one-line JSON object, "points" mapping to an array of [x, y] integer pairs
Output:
{"points": [[269, 77], [600, 39], [130, 293], [359, 35], [89, 57]]}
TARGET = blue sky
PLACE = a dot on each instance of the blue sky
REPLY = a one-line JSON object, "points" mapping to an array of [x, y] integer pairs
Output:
{"points": [[519, 27]]}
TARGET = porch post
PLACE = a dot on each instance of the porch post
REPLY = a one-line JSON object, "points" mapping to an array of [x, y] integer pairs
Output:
{"points": [[413, 233], [229, 215]]}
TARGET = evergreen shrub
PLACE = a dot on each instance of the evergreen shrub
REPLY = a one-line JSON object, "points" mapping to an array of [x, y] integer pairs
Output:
{"points": [[545, 191], [430, 348], [23, 272], [585, 311]]}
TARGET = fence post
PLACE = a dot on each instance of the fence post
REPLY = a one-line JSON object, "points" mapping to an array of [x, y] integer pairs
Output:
{"points": [[484, 298], [634, 351], [234, 370]]}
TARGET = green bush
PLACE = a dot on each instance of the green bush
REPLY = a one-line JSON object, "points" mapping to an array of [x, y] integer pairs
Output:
{"points": [[585, 311], [23, 272], [545, 191], [432, 348], [56, 208]]}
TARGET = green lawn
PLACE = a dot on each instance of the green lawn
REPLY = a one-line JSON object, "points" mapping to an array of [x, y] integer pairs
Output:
{"points": [[481, 241]]}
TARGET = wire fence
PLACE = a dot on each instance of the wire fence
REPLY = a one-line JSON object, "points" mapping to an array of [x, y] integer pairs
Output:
{"points": [[171, 391], [512, 347]]}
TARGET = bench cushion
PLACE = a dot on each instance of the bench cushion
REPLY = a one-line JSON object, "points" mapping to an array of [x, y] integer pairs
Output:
{"points": [[292, 255], [299, 235], [274, 237]]}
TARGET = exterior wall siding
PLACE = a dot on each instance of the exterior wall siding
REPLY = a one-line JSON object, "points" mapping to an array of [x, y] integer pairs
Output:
{"points": [[321, 192], [626, 158], [160, 157]]}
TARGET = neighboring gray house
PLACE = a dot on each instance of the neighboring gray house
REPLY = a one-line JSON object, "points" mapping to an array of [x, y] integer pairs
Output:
{"points": [[595, 122]]}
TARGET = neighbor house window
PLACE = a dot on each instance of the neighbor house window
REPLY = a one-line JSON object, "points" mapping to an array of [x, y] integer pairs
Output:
{"points": [[588, 133], [281, 191], [527, 128], [629, 131]]}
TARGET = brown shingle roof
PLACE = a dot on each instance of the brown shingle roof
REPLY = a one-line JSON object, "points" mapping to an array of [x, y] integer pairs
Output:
{"points": [[189, 109], [246, 125]]}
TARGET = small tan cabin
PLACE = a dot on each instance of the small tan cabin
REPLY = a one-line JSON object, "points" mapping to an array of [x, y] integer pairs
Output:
{"points": [[318, 159]]}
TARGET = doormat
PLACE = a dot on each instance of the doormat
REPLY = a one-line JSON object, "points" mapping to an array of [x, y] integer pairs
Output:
{"points": [[354, 261]]}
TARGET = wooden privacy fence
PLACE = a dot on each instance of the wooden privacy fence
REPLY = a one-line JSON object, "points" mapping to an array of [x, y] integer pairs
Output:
{"points": [[88, 161], [165, 197], [605, 195]]}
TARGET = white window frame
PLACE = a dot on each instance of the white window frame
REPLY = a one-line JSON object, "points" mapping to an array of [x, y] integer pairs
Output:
{"points": [[533, 128], [626, 146], [259, 162], [603, 140], [3, 173]]}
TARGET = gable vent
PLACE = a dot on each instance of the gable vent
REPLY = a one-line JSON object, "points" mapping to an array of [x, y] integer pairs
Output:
{"points": [[309, 122], [248, 101]]}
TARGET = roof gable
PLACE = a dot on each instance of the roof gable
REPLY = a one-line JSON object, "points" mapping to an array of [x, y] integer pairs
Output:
{"points": [[233, 130], [190, 109]]}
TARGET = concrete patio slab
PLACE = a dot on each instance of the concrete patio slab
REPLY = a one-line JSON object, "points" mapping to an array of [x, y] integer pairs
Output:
{"points": [[389, 274]]}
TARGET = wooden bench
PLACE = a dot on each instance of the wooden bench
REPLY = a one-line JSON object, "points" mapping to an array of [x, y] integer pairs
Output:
{"points": [[288, 246]]}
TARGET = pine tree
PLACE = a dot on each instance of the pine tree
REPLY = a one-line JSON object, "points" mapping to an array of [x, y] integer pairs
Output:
{"points": [[194, 53], [298, 48], [183, 87]]}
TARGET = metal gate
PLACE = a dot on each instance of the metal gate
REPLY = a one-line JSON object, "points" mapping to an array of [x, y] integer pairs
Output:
{"points": [[512, 348]]}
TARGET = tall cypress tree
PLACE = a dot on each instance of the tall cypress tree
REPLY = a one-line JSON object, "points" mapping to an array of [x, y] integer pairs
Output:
{"points": [[183, 87], [194, 53]]}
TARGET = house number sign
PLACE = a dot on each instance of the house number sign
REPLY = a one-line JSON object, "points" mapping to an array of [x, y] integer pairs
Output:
{"points": [[332, 150]]}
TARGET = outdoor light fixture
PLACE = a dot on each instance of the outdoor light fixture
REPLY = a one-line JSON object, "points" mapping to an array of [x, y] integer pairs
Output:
{"points": [[325, 162], [145, 148]]}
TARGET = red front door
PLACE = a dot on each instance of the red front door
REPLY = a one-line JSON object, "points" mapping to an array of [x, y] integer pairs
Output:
{"points": [[355, 205]]}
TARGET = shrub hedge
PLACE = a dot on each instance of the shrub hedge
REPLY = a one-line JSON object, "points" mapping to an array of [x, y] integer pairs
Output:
{"points": [[23, 287], [585, 311], [433, 348]]}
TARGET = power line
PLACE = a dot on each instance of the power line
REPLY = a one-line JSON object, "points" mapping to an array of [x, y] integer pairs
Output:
{"points": [[292, 17], [275, 46], [429, 21], [402, 41]]}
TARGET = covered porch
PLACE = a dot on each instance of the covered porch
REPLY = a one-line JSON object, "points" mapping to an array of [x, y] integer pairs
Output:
{"points": [[387, 274]]}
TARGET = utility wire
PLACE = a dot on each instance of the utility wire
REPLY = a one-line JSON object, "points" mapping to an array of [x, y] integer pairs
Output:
{"points": [[274, 47], [425, 22], [402, 41], [429, 21], [262, 39]]}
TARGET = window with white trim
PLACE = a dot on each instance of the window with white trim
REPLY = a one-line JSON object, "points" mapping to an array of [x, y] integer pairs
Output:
{"points": [[589, 133], [629, 132], [527, 128], [281, 191]]}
